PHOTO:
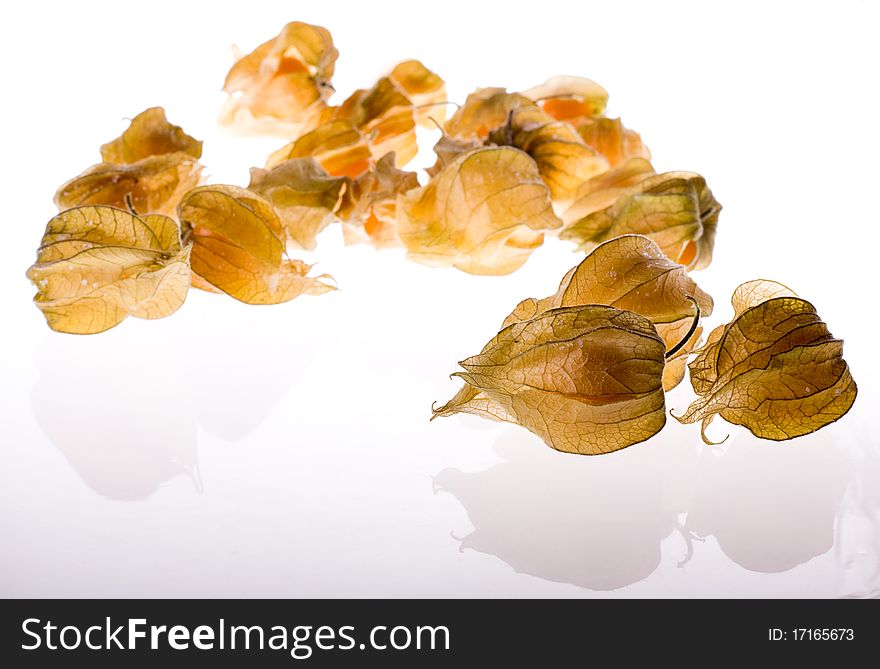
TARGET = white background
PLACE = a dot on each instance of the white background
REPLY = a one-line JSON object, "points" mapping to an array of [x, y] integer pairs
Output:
{"points": [[285, 451]]}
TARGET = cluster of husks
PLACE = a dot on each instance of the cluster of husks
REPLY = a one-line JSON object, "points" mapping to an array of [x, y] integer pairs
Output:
{"points": [[342, 166], [137, 230], [509, 167], [586, 368]]}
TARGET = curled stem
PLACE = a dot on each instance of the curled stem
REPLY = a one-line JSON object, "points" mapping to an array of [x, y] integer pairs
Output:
{"points": [[690, 333], [435, 122], [130, 205]]}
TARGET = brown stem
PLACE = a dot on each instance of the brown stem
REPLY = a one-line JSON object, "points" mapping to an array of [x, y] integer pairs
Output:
{"points": [[690, 333], [130, 205]]}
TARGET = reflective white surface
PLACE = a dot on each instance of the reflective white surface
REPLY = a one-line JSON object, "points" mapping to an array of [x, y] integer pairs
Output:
{"points": [[285, 451]]}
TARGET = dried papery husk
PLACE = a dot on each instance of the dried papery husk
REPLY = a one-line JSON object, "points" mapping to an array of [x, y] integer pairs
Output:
{"points": [[602, 191], [97, 265], [609, 137], [149, 134], [775, 369], [448, 148], [484, 110], [632, 273], [567, 97], [239, 247], [386, 117], [425, 89], [369, 208], [564, 160], [305, 197], [338, 146], [484, 213], [152, 185], [675, 209], [283, 84], [586, 379]]}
